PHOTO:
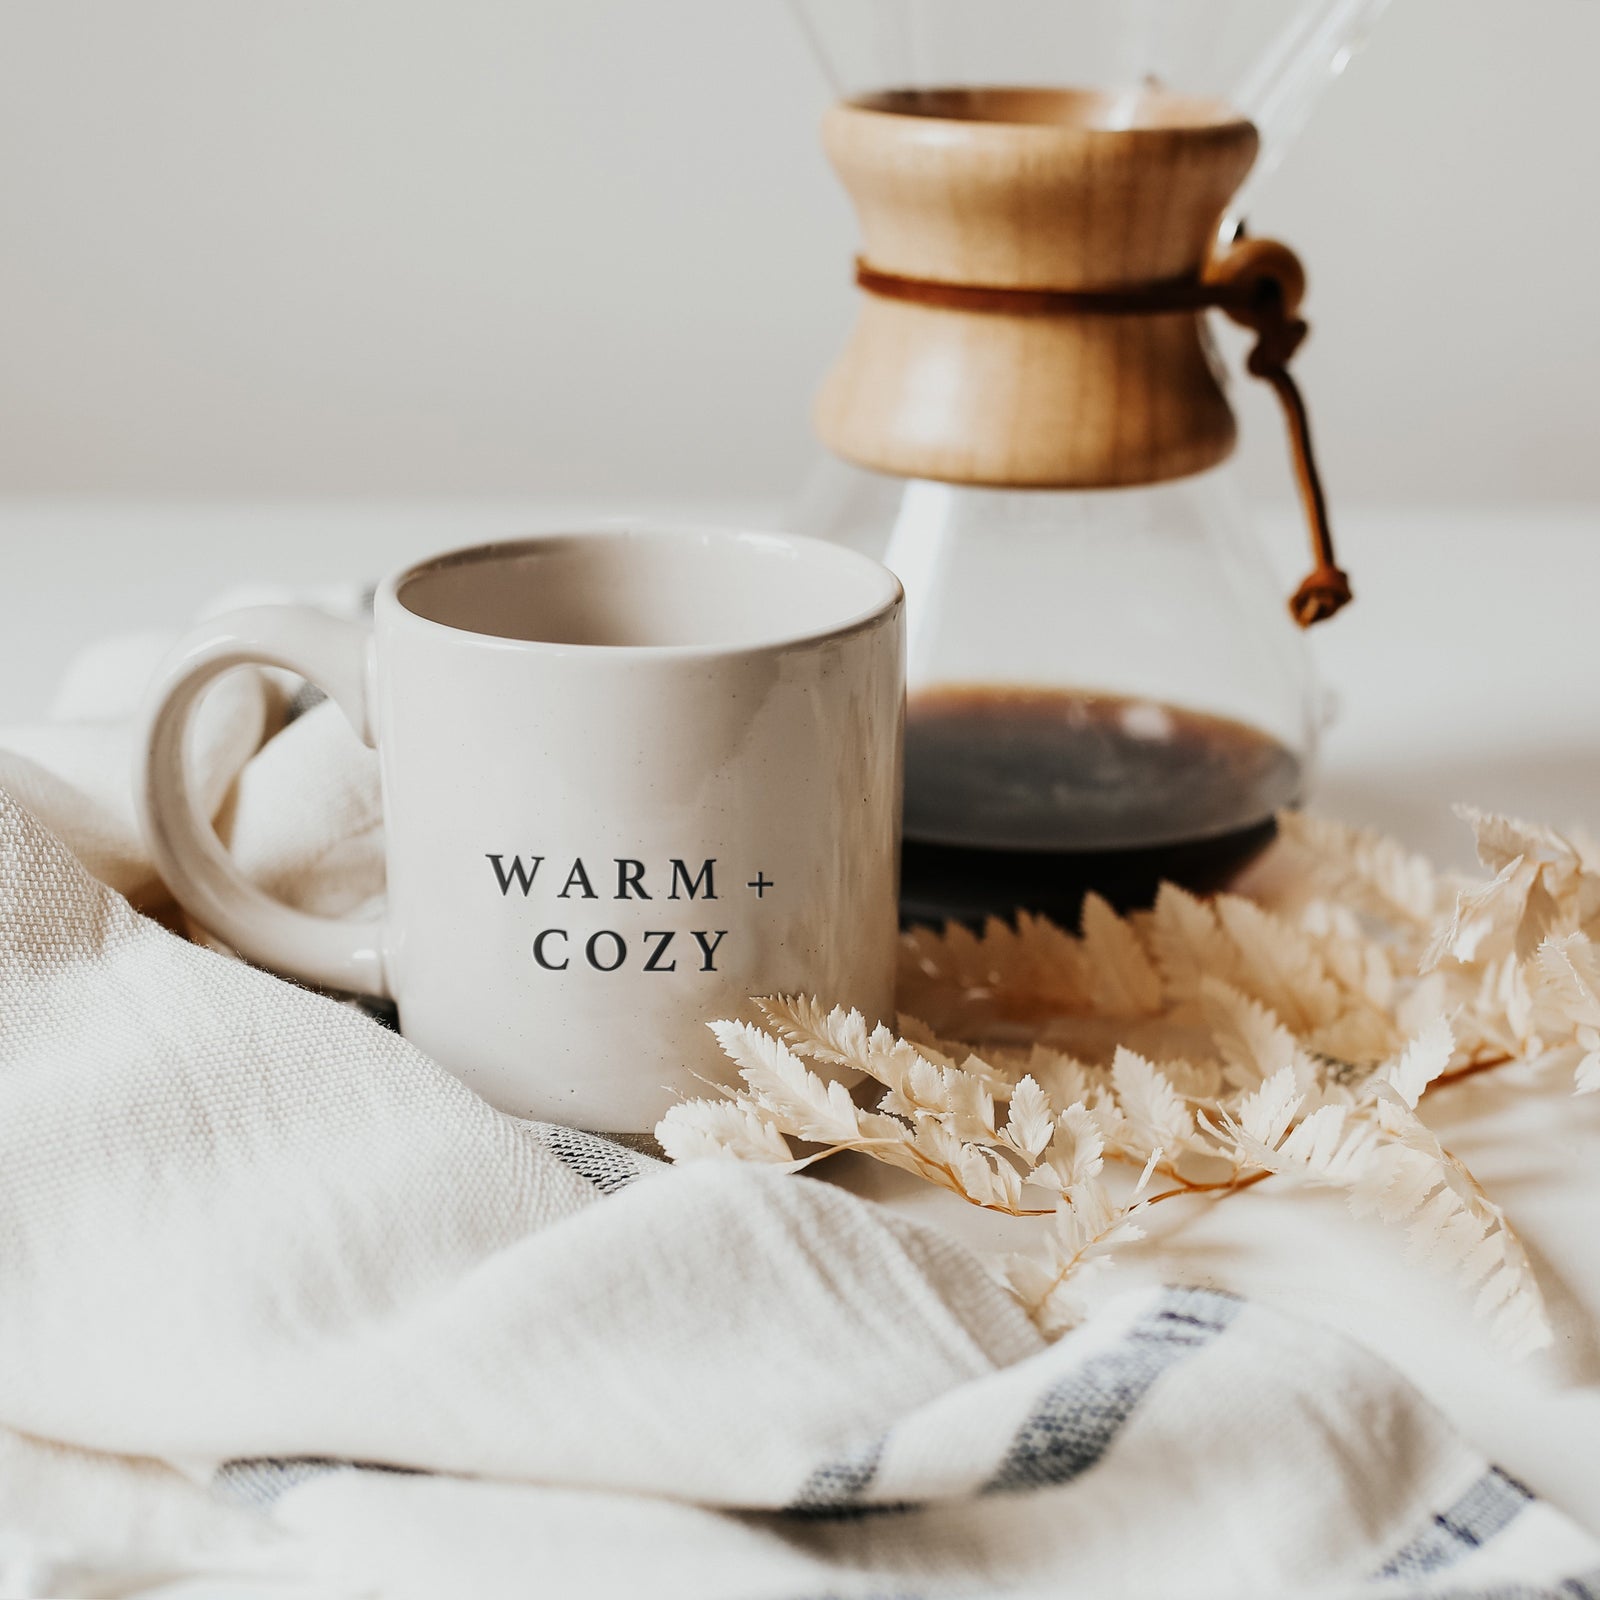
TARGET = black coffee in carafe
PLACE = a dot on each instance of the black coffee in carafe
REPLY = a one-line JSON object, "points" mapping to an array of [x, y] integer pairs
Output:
{"points": [[1022, 799]]}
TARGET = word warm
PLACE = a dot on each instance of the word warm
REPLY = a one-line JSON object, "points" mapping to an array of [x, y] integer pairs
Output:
{"points": [[629, 877]]}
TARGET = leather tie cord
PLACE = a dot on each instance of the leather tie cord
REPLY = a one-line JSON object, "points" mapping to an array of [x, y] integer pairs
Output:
{"points": [[1258, 285]]}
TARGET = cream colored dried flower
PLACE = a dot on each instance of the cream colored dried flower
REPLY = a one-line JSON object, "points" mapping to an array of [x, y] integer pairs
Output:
{"points": [[1207, 1045]]}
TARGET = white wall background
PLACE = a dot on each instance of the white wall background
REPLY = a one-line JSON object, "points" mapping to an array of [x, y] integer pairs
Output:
{"points": [[590, 247]]}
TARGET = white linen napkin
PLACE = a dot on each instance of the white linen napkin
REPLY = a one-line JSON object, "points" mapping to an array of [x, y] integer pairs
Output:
{"points": [[289, 1312]]}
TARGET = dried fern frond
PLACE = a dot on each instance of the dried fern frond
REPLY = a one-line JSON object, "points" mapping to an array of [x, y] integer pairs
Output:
{"points": [[1086, 1228], [1217, 1043], [1364, 870]]}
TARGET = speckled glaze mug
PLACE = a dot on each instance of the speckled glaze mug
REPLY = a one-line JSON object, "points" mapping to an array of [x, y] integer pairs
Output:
{"points": [[631, 778]]}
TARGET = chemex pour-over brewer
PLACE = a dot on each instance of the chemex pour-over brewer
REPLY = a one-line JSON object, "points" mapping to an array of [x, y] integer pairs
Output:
{"points": [[1105, 688]]}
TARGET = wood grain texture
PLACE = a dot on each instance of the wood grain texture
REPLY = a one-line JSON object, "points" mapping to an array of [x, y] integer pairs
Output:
{"points": [[1046, 189]]}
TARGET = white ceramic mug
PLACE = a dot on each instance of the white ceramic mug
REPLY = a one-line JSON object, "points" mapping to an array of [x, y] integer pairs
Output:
{"points": [[630, 779]]}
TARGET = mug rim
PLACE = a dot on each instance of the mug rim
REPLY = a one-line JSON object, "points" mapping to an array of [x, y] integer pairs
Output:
{"points": [[388, 597]]}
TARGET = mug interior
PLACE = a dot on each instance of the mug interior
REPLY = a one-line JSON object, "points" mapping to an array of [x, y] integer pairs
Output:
{"points": [[650, 589]]}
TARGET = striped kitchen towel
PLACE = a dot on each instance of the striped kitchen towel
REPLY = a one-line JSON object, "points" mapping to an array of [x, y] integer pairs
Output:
{"points": [[290, 1313], [1096, 1468]]}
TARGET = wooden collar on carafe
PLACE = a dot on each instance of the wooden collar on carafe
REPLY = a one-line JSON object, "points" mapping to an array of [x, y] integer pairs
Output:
{"points": [[1257, 283]]}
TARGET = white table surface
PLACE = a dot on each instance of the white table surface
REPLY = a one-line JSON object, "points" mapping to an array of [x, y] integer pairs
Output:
{"points": [[1468, 670]]}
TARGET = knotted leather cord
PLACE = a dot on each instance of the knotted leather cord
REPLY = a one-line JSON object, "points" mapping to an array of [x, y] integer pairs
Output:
{"points": [[1255, 301]]}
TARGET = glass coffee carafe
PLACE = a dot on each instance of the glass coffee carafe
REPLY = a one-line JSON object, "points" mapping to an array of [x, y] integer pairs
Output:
{"points": [[1105, 687]]}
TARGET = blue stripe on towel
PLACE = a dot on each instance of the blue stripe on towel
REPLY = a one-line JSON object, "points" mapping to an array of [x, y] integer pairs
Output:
{"points": [[1070, 1426], [259, 1481], [1495, 1500], [835, 1488], [306, 698], [1074, 1423], [1581, 1586], [607, 1165]]}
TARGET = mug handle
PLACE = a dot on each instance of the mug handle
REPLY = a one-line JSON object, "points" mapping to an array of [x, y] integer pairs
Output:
{"points": [[332, 653]]}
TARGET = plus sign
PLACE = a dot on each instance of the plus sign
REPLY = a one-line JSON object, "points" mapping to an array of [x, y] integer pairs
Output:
{"points": [[760, 883]]}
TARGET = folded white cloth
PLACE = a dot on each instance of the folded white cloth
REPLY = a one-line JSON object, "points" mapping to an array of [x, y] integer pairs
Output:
{"points": [[289, 1312]]}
